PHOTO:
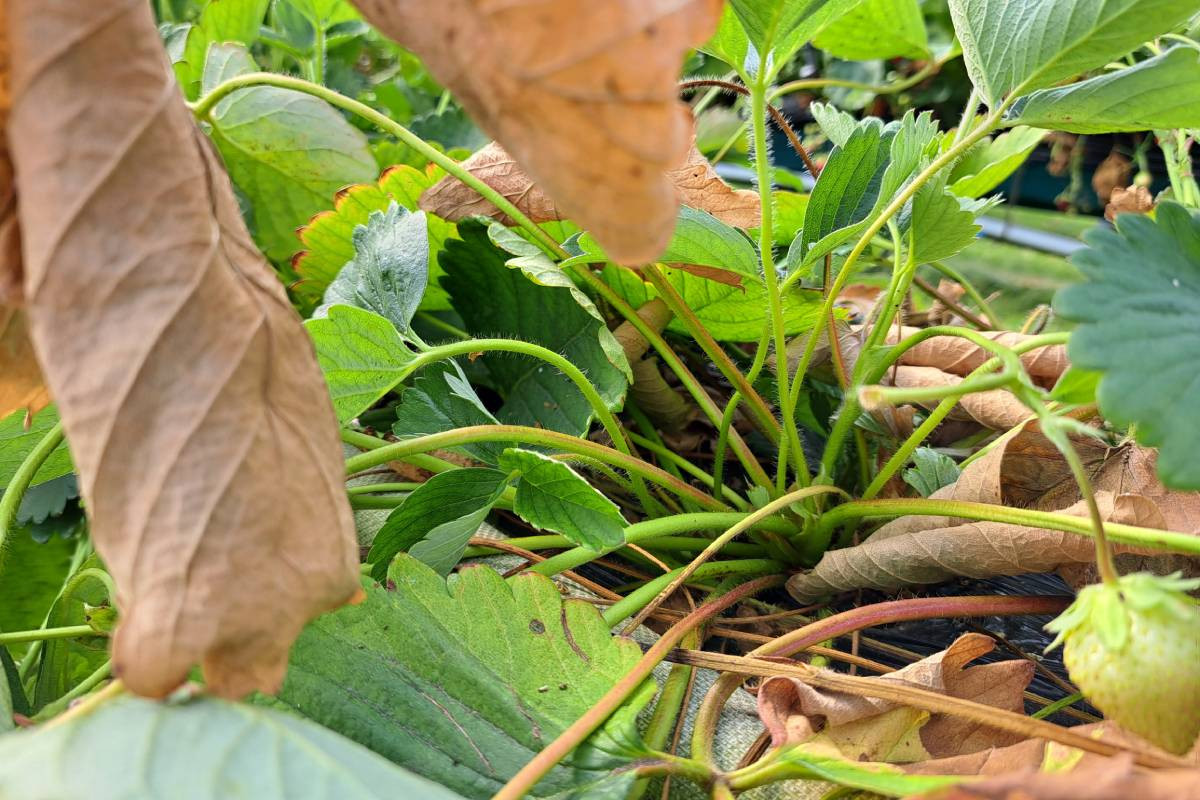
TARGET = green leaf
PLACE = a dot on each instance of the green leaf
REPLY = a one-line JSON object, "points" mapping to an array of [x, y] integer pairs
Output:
{"points": [[990, 162], [233, 20], [553, 497], [876, 29], [66, 662], [32, 574], [441, 399], [731, 45], [1077, 386], [790, 208], [289, 153], [837, 125], [6, 706], [1158, 93], [390, 267], [858, 180], [778, 28], [942, 224], [884, 779], [329, 237], [434, 523], [467, 685], [1019, 47], [494, 300], [451, 128], [225, 61], [930, 471], [1139, 324], [16, 442], [730, 313], [135, 749], [362, 356]]}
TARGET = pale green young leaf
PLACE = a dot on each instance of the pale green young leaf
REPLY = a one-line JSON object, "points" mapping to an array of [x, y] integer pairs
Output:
{"points": [[837, 125], [551, 496], [434, 523], [731, 45], [989, 163], [466, 685], [361, 355], [66, 662], [876, 29], [1022, 46], [6, 705], [1139, 324], [930, 471], [289, 153], [778, 28], [225, 61], [700, 239], [390, 267], [1158, 93], [134, 749], [1077, 386], [496, 300], [328, 238], [887, 780]]}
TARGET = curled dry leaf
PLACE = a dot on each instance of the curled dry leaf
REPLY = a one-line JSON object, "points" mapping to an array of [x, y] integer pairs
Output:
{"points": [[872, 729], [1035, 769], [960, 357], [1112, 173], [996, 409], [1128, 200], [21, 384], [1022, 470], [199, 423], [582, 94], [697, 184]]}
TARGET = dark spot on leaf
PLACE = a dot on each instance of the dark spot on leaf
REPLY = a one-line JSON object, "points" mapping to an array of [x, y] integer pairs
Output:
{"points": [[562, 687], [537, 626], [391, 585]]}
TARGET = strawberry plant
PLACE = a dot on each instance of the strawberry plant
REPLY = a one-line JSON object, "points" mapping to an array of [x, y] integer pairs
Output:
{"points": [[416, 401]]}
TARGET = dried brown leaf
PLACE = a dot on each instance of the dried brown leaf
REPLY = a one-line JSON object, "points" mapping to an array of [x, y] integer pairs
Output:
{"points": [[1100, 779], [866, 728], [21, 384], [582, 94], [697, 185], [960, 357], [1128, 200], [1111, 173], [997, 409], [199, 423]]}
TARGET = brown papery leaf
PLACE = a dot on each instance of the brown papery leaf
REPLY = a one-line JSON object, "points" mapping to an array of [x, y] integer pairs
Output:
{"points": [[873, 729], [21, 384], [199, 423], [960, 357], [1128, 200], [996, 409], [697, 185], [582, 94]]}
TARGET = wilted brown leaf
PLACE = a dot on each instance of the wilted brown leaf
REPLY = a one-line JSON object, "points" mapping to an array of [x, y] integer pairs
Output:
{"points": [[1023, 470], [996, 409], [960, 357], [582, 94], [873, 729], [697, 184], [199, 423], [21, 384], [1128, 200], [1112, 172]]}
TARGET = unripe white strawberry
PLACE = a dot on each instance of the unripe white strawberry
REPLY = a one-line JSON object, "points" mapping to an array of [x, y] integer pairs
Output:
{"points": [[1134, 651]]}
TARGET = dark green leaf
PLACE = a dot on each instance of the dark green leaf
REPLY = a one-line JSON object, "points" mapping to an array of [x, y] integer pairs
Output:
{"points": [[289, 153], [390, 267], [47, 500], [134, 749], [361, 355], [32, 574], [1022, 46], [434, 523], [941, 223], [466, 686], [16, 442], [494, 300], [930, 471], [66, 662], [553, 497], [1139, 324], [1159, 92], [778, 28], [442, 399], [451, 128]]}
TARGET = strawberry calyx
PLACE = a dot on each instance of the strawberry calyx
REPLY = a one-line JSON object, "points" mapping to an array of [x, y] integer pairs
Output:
{"points": [[1105, 608]]}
